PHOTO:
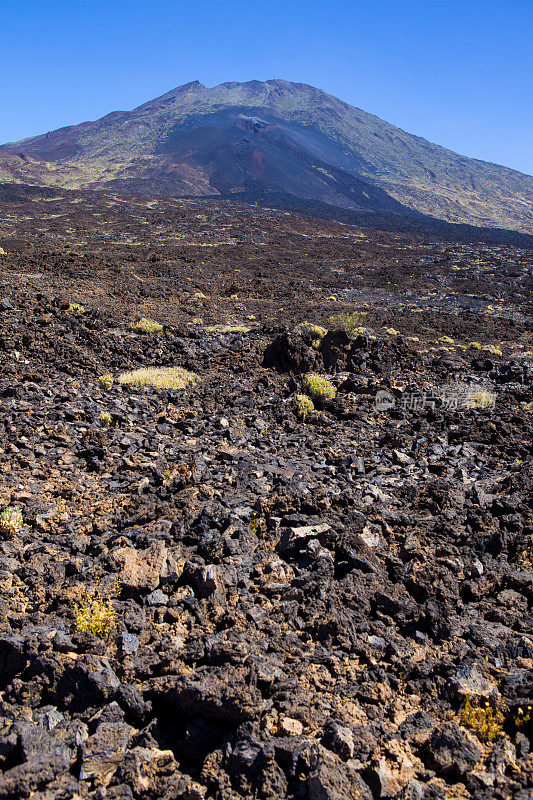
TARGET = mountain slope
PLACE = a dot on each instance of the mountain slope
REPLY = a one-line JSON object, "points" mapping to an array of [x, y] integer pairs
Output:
{"points": [[246, 138]]}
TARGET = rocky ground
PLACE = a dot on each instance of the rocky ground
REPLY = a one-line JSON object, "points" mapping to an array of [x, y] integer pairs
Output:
{"points": [[318, 608]]}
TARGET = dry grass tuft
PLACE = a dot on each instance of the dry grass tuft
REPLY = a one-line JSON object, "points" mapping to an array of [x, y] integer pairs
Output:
{"points": [[350, 323], [160, 377], [229, 328], [480, 399]]}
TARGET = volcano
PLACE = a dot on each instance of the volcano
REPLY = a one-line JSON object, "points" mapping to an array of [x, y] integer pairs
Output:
{"points": [[275, 143]]}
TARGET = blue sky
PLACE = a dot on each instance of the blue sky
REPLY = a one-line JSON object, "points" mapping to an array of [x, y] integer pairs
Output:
{"points": [[457, 72]]}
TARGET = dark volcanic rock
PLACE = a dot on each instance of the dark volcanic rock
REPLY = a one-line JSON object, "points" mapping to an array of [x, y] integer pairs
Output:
{"points": [[290, 353]]}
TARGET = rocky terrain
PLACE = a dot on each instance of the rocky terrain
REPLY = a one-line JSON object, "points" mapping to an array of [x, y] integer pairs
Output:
{"points": [[212, 595], [280, 144]]}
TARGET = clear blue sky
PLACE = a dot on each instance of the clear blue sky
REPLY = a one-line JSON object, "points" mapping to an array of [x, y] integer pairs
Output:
{"points": [[457, 72]]}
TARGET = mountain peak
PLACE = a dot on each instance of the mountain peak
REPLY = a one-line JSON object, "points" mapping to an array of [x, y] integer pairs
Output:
{"points": [[179, 93], [192, 86]]}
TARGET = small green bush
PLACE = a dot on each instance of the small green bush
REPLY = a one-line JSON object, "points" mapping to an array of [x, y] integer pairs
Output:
{"points": [[351, 323], [311, 333], [76, 307], [485, 721], [160, 377], [304, 405], [105, 418], [11, 521], [145, 325], [105, 382], [318, 388], [523, 717], [488, 348], [96, 614], [492, 349]]}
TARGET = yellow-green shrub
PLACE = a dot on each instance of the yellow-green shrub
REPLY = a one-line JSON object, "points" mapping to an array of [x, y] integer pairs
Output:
{"points": [[304, 405], [311, 333], [11, 521], [349, 322], [145, 325], [105, 382], [160, 377], [318, 387], [484, 720], [96, 614]]}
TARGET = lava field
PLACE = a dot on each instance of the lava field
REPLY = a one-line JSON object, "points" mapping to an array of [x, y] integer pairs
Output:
{"points": [[226, 590]]}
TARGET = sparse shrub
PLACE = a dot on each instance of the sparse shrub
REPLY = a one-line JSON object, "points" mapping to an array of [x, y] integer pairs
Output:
{"points": [[484, 720], [105, 418], [488, 348], [304, 405], [105, 382], [318, 387], [522, 719], [481, 398], [145, 325], [11, 521], [96, 614], [308, 330], [491, 348], [447, 340], [239, 307], [229, 327], [311, 333], [76, 307], [160, 377], [200, 296], [351, 323], [392, 332]]}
